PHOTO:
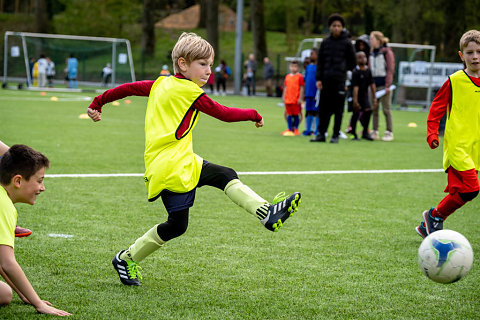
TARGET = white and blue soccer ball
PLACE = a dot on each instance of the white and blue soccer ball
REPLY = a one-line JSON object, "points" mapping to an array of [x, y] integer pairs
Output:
{"points": [[445, 256]]}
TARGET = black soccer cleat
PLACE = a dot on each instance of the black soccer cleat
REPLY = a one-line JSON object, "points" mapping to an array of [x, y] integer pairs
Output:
{"points": [[279, 212], [432, 224], [421, 230], [128, 271]]}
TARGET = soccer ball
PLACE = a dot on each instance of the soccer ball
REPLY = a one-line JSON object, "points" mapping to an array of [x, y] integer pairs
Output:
{"points": [[445, 256]]}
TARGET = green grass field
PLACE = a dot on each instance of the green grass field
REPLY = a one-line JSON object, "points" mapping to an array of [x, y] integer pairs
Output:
{"points": [[349, 253]]}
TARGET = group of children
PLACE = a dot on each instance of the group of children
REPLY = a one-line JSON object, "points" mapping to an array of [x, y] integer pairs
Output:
{"points": [[174, 171], [298, 88]]}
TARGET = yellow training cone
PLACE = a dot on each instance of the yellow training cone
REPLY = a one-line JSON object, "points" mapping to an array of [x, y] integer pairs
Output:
{"points": [[115, 103], [83, 116], [412, 125], [54, 98]]}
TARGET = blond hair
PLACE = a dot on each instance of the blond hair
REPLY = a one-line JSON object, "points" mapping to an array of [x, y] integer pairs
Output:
{"points": [[380, 37], [190, 46], [469, 36]]}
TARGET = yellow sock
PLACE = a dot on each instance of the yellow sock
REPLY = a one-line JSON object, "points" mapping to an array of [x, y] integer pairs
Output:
{"points": [[143, 246], [245, 197]]}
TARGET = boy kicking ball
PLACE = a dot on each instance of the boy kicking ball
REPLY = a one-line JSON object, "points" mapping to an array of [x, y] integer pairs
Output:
{"points": [[172, 170], [459, 97]]}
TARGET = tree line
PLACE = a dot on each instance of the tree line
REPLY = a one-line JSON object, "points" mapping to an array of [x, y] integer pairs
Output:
{"points": [[436, 22]]}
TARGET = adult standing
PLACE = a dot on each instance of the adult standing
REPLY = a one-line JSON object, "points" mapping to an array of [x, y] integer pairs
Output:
{"points": [[50, 72], [268, 73], [382, 65], [72, 67], [42, 71], [250, 68], [107, 74], [335, 57], [221, 76]]}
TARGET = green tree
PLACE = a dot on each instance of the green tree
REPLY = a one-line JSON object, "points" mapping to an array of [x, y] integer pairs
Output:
{"points": [[212, 25], [109, 18], [258, 30], [148, 27]]}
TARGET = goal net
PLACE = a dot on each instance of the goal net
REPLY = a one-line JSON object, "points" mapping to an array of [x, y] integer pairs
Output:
{"points": [[23, 49]]}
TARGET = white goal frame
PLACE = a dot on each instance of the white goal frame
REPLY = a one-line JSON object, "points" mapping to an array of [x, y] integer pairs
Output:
{"points": [[22, 35]]}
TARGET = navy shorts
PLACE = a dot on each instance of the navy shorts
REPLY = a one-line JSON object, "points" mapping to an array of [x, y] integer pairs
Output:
{"points": [[174, 201], [211, 175]]}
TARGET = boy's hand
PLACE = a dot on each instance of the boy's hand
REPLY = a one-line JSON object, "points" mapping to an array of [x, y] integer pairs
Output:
{"points": [[356, 106], [434, 144], [47, 309], [259, 123], [375, 103], [95, 115]]}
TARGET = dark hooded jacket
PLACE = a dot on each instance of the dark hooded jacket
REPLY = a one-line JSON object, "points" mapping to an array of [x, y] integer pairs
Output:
{"points": [[335, 57], [365, 39]]}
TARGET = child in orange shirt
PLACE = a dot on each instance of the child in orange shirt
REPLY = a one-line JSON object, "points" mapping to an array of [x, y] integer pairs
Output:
{"points": [[292, 98]]}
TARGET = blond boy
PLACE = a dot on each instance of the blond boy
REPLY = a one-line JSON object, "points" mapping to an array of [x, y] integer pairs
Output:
{"points": [[173, 170]]}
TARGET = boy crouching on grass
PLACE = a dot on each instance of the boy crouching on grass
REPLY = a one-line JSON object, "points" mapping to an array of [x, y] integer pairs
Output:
{"points": [[173, 170], [21, 180], [459, 97]]}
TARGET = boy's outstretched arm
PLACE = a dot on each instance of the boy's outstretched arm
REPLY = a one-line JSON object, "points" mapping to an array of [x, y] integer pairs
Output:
{"points": [[438, 108], [138, 88], [227, 114], [16, 278]]}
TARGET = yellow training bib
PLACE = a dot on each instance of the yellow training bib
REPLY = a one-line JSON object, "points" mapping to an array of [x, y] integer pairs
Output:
{"points": [[170, 118], [462, 130]]}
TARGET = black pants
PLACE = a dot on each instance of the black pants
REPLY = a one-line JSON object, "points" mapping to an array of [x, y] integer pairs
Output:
{"points": [[221, 82], [211, 175], [332, 100]]}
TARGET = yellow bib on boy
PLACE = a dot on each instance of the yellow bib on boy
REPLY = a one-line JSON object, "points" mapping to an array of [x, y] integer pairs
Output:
{"points": [[170, 118], [8, 219], [462, 130]]}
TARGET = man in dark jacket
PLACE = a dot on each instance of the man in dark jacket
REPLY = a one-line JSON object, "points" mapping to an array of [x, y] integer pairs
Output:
{"points": [[268, 73], [335, 57]]}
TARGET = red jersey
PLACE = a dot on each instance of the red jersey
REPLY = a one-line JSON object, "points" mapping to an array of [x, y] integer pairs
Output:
{"points": [[203, 103]]}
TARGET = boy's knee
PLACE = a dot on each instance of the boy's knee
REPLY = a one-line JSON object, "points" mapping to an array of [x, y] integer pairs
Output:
{"points": [[175, 226], [230, 174], [468, 196], [179, 227], [5, 294]]}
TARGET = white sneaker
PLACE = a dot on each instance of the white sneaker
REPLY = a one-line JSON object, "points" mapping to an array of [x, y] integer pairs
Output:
{"points": [[342, 135], [374, 134], [388, 136]]}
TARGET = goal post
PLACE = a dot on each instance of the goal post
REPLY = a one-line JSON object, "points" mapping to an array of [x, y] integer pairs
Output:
{"points": [[93, 54]]}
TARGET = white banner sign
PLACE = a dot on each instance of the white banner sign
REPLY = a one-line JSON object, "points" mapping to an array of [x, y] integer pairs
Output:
{"points": [[15, 51], [417, 73]]}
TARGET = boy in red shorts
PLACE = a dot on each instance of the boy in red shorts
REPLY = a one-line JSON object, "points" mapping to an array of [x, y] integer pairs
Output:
{"points": [[459, 97], [292, 98]]}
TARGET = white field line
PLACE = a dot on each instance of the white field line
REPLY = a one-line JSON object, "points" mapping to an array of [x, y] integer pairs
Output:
{"points": [[251, 173]]}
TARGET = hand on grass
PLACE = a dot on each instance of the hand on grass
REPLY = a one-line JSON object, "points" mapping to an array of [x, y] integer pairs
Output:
{"points": [[434, 144], [94, 114], [46, 308], [259, 123]]}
